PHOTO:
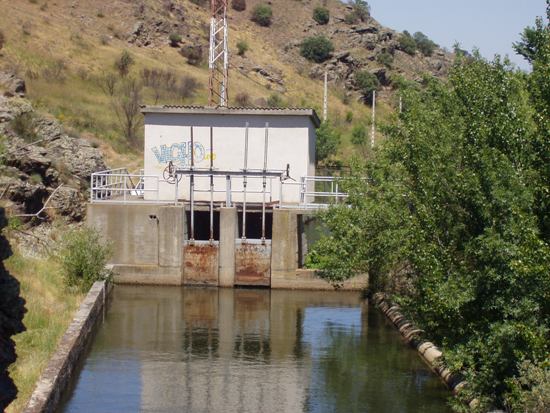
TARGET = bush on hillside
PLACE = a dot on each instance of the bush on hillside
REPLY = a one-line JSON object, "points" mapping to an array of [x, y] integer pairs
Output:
{"points": [[360, 12], [238, 5], [83, 255], [175, 39], [187, 87], [366, 82], [407, 43], [275, 101], [242, 47], [385, 58], [262, 15], [316, 48], [424, 44], [242, 99], [328, 140], [193, 54], [2, 39], [123, 63], [321, 15], [359, 135]]}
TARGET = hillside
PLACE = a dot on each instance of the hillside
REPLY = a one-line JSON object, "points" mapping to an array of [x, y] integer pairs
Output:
{"points": [[65, 49]]}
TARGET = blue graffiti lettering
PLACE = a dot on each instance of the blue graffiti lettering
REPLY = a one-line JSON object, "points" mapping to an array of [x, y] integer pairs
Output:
{"points": [[179, 153]]}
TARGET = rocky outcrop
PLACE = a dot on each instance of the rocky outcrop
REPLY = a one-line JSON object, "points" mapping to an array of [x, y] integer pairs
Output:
{"points": [[38, 157], [12, 310], [12, 85]]}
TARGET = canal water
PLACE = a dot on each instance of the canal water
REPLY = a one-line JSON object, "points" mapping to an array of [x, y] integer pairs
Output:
{"points": [[167, 349]]}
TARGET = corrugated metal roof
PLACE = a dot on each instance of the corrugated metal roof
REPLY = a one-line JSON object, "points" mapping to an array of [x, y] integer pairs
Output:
{"points": [[196, 109]]}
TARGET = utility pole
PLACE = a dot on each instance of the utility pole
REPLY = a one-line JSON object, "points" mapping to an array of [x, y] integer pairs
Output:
{"points": [[218, 59], [325, 99], [373, 118]]}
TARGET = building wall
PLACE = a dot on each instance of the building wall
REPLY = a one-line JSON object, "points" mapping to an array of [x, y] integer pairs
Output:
{"points": [[168, 137]]}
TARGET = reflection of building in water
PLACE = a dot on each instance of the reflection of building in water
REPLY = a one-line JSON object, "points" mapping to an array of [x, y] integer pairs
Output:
{"points": [[224, 350]]}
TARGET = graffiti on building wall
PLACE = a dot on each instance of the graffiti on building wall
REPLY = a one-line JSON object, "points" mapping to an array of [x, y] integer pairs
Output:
{"points": [[180, 153]]}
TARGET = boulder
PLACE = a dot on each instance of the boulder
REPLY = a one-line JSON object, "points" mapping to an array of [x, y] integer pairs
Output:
{"points": [[13, 86]]}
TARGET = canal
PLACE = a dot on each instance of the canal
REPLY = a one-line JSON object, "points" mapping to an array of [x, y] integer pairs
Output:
{"points": [[167, 349]]}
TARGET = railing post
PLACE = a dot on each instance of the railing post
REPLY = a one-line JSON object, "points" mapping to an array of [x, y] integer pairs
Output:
{"points": [[228, 191]]}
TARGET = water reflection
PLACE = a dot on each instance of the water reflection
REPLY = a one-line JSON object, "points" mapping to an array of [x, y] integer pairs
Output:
{"points": [[167, 349]]}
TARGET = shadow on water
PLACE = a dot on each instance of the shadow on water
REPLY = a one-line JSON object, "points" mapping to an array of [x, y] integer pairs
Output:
{"points": [[165, 349]]}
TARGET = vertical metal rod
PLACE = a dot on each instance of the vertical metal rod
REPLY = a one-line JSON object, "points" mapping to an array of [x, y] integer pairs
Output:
{"points": [[177, 188], [192, 189], [325, 99], [373, 118], [245, 179], [400, 104], [228, 191], [266, 144], [211, 185]]}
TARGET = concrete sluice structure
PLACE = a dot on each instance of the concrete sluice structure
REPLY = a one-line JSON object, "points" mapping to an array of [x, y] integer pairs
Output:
{"points": [[216, 203]]}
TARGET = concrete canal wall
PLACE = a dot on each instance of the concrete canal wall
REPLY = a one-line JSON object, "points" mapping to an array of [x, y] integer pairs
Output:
{"points": [[151, 246], [61, 367]]}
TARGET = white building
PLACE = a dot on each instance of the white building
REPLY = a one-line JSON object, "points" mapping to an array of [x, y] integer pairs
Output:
{"points": [[290, 141]]}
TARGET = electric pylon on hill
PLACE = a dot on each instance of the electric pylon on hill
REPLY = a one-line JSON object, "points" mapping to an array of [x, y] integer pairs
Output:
{"points": [[218, 61]]}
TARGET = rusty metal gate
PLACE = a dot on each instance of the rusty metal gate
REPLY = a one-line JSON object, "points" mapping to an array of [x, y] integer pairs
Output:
{"points": [[253, 262], [201, 262]]}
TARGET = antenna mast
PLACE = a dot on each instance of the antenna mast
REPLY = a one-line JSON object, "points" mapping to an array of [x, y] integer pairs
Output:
{"points": [[218, 60]]}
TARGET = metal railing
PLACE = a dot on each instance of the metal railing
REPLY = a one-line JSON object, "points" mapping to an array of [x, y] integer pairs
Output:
{"points": [[118, 185], [315, 192]]}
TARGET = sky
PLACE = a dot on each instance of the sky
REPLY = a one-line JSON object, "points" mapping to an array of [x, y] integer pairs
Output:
{"points": [[490, 25]]}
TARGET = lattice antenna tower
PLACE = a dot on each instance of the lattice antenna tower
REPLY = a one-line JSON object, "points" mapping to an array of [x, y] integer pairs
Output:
{"points": [[218, 61]]}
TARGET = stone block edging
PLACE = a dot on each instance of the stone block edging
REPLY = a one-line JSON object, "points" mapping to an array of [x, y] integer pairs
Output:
{"points": [[61, 367]]}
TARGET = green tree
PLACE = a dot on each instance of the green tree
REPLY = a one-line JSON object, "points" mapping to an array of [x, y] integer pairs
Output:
{"points": [[448, 221], [328, 140], [424, 44], [321, 15], [316, 48], [262, 15]]}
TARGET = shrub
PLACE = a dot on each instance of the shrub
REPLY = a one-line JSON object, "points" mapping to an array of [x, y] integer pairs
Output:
{"points": [[193, 54], [2, 39], [407, 43], [349, 116], [175, 39], [24, 126], [83, 256], [321, 15], [316, 48], [243, 99], [104, 39], [123, 63], [359, 135], [366, 82], [262, 15], [385, 58], [360, 12], [242, 47], [187, 87], [238, 5], [328, 140], [275, 101], [424, 44], [55, 71]]}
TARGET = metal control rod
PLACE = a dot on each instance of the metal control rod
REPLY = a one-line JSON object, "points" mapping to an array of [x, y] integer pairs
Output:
{"points": [[192, 188], [244, 179], [211, 185], [266, 145]]}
